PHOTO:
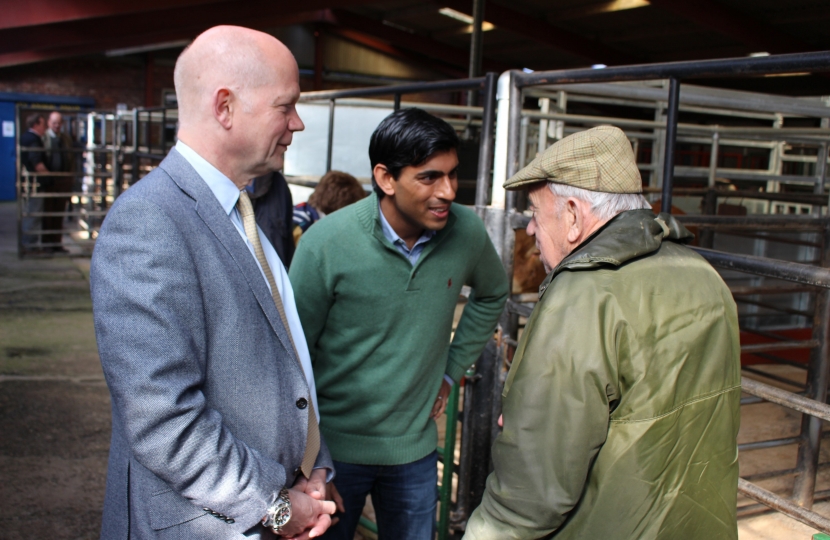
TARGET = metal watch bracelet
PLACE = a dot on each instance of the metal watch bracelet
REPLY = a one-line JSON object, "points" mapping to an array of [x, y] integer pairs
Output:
{"points": [[278, 514]]}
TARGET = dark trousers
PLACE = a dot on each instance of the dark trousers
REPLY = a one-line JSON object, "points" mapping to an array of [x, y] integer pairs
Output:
{"points": [[405, 498], [55, 185]]}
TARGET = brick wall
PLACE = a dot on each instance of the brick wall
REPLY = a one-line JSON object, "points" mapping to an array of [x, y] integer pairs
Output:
{"points": [[108, 81]]}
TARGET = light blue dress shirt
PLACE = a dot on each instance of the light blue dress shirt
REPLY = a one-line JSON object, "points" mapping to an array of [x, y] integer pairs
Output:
{"points": [[228, 194], [412, 255]]}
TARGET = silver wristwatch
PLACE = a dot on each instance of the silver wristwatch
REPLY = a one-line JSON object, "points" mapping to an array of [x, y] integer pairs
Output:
{"points": [[278, 514]]}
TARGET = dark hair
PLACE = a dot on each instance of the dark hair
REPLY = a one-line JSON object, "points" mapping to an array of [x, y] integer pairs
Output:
{"points": [[406, 138], [336, 190], [34, 119]]}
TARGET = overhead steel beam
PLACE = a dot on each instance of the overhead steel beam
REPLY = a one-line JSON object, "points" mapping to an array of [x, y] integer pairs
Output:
{"points": [[384, 47], [736, 25], [419, 44], [542, 32], [148, 34], [255, 13], [41, 12]]}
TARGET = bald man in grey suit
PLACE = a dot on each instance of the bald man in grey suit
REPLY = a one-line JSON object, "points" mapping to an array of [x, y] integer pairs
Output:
{"points": [[213, 398]]}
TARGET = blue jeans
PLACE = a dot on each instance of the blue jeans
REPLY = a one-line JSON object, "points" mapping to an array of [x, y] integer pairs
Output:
{"points": [[404, 496]]}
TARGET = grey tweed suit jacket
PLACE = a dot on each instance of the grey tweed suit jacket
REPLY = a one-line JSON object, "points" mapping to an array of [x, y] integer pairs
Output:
{"points": [[208, 422]]}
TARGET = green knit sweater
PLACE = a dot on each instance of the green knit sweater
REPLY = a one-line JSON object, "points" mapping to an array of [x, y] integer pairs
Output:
{"points": [[379, 329]]}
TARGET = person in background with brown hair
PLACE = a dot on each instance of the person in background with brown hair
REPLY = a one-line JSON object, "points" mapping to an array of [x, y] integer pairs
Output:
{"points": [[335, 190]]}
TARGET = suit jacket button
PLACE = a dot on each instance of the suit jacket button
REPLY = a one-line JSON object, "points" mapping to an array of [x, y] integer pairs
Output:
{"points": [[302, 403]]}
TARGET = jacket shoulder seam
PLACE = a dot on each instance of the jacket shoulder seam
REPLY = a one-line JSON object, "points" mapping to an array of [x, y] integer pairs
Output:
{"points": [[682, 405]]}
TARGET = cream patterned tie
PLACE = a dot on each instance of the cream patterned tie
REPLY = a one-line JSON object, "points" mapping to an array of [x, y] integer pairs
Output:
{"points": [[246, 211]]}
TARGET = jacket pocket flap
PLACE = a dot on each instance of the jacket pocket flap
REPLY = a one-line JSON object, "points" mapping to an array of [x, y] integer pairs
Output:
{"points": [[168, 508]]}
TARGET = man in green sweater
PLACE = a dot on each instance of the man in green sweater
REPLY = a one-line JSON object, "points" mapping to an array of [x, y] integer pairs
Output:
{"points": [[377, 285]]}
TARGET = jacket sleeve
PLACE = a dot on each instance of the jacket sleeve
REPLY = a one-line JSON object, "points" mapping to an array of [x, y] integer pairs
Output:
{"points": [[144, 291], [556, 415], [484, 307], [311, 290]]}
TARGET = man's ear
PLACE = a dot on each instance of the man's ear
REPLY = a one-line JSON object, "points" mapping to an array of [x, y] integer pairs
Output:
{"points": [[223, 107], [574, 219], [384, 179]]}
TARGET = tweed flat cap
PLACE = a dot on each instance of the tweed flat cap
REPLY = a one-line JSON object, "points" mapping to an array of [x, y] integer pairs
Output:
{"points": [[599, 159]]}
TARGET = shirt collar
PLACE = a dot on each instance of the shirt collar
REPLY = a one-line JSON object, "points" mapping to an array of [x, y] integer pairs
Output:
{"points": [[225, 191], [393, 237]]}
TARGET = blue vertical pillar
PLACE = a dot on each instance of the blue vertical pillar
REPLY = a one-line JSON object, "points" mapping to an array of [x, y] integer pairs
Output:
{"points": [[8, 154]]}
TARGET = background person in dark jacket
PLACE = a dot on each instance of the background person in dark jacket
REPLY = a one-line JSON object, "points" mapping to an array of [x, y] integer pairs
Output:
{"points": [[60, 159], [33, 161], [273, 207]]}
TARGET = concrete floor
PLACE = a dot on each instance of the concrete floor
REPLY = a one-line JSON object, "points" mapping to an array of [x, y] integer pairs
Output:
{"points": [[54, 407]]}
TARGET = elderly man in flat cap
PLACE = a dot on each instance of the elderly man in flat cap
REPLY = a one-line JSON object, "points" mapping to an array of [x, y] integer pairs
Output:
{"points": [[621, 408]]}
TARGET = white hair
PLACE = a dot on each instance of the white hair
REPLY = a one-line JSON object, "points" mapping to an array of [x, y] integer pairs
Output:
{"points": [[604, 206]]}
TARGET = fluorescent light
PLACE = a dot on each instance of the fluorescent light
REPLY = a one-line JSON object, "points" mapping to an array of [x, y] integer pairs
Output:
{"points": [[599, 66], [599, 8], [795, 74], [485, 27], [621, 5], [527, 70], [457, 15], [757, 54], [463, 17]]}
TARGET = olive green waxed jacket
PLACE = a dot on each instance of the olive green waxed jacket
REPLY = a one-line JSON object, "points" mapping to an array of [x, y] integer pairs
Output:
{"points": [[621, 408]]}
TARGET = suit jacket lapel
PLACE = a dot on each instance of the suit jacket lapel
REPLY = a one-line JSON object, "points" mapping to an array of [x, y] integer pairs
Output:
{"points": [[215, 218]]}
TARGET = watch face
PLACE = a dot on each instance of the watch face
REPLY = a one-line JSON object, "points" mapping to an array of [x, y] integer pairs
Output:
{"points": [[282, 516]]}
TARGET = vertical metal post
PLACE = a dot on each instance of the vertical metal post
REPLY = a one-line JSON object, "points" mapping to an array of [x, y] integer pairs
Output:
{"points": [[477, 434], [397, 102], [821, 161], [817, 378], [523, 134], [465, 463], [513, 142], [486, 142], [330, 147], [135, 161], [671, 139], [657, 145], [710, 200], [713, 160], [542, 141], [117, 180], [318, 57], [163, 131], [448, 455], [476, 46], [22, 188]]}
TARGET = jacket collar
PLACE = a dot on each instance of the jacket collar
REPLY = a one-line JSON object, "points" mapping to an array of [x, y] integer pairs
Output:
{"points": [[631, 234], [216, 219]]}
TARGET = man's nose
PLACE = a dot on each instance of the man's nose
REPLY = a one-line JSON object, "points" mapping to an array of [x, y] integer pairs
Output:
{"points": [[296, 123], [531, 227], [446, 188]]}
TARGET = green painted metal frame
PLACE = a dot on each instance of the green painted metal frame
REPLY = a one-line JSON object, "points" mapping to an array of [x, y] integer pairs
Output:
{"points": [[447, 454]]}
